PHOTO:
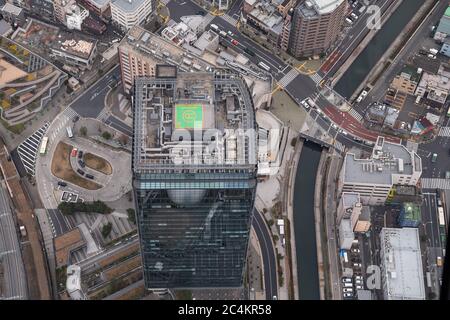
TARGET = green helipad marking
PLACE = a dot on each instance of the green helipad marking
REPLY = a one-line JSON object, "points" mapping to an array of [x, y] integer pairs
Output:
{"points": [[188, 116]]}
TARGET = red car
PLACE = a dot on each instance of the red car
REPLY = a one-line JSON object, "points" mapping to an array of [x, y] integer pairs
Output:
{"points": [[74, 152], [234, 42]]}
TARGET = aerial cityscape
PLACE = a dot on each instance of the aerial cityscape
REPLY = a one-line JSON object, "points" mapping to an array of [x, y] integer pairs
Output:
{"points": [[231, 150]]}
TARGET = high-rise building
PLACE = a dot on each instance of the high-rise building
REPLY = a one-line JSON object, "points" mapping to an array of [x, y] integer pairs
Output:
{"points": [[128, 13], [194, 176], [315, 26]]}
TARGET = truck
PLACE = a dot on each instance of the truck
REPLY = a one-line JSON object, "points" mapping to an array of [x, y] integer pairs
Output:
{"points": [[214, 27]]}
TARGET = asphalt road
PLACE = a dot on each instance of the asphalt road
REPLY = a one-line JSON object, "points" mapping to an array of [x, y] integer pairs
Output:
{"points": [[268, 255], [91, 102], [14, 284]]}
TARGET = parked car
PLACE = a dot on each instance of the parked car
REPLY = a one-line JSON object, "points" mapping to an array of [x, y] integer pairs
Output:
{"points": [[80, 172], [348, 295], [75, 119], [62, 184], [359, 287], [347, 290], [346, 280], [357, 265], [358, 277], [80, 154], [81, 163], [89, 176], [356, 250], [74, 152]]}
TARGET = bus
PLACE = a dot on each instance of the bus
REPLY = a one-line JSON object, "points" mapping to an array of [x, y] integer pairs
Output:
{"points": [[69, 132], [264, 66], [441, 216], [43, 149]]}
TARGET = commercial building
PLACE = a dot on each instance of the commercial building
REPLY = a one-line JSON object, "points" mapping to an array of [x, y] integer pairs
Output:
{"points": [[74, 50], [194, 176], [390, 164], [128, 13], [315, 26], [140, 51], [43, 8], [435, 87], [363, 224], [13, 14], [265, 20], [401, 264], [69, 13], [443, 28], [100, 8]]}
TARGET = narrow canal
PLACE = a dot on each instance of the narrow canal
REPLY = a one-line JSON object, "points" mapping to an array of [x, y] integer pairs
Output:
{"points": [[304, 222], [370, 56]]}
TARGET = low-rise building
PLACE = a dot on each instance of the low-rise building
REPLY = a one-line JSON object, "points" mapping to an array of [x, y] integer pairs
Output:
{"points": [[407, 80], [443, 28], [435, 87], [13, 14], [74, 50], [45, 9], [346, 235], [390, 164], [264, 19], [364, 223], [101, 8], [401, 264]]}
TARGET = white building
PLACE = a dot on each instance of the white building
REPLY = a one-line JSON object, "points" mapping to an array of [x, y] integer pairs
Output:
{"points": [[75, 16], [128, 13], [73, 283], [346, 235], [401, 264], [390, 164]]}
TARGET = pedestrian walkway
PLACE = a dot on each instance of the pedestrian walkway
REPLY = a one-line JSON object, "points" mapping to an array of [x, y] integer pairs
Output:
{"points": [[444, 132], [28, 150], [339, 146], [229, 19], [355, 114], [207, 19], [435, 183], [288, 78], [316, 78]]}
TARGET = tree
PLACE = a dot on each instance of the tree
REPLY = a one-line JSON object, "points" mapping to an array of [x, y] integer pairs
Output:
{"points": [[83, 131], [131, 215], [98, 206], [106, 135], [123, 139], [270, 222], [106, 229]]}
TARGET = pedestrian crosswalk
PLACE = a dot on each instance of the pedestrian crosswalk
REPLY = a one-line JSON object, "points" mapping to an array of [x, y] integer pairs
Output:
{"points": [[103, 115], [316, 78], [435, 183], [28, 149], [288, 77], [207, 19], [355, 114], [229, 19], [444, 132]]}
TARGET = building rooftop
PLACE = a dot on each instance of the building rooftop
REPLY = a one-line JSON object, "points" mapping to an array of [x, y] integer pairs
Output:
{"points": [[127, 5], [100, 3], [10, 8], [194, 119], [74, 44], [65, 244], [387, 159], [9, 73], [5, 28], [402, 263], [267, 13], [313, 8]]}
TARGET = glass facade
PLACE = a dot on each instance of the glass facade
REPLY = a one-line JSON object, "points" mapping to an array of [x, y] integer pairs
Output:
{"points": [[194, 227]]}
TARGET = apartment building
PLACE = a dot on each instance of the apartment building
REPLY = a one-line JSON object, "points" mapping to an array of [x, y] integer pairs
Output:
{"points": [[315, 26]]}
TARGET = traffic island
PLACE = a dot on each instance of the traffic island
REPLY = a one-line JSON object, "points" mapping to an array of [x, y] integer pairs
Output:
{"points": [[97, 163], [62, 169]]}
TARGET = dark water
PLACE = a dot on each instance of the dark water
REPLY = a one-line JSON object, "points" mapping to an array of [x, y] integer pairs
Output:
{"points": [[361, 67], [304, 222]]}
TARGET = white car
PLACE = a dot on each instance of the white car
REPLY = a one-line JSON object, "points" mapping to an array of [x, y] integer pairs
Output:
{"points": [[310, 102], [348, 295], [347, 290], [359, 287], [358, 277], [230, 33], [358, 265], [305, 104], [357, 281], [346, 280], [356, 250]]}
